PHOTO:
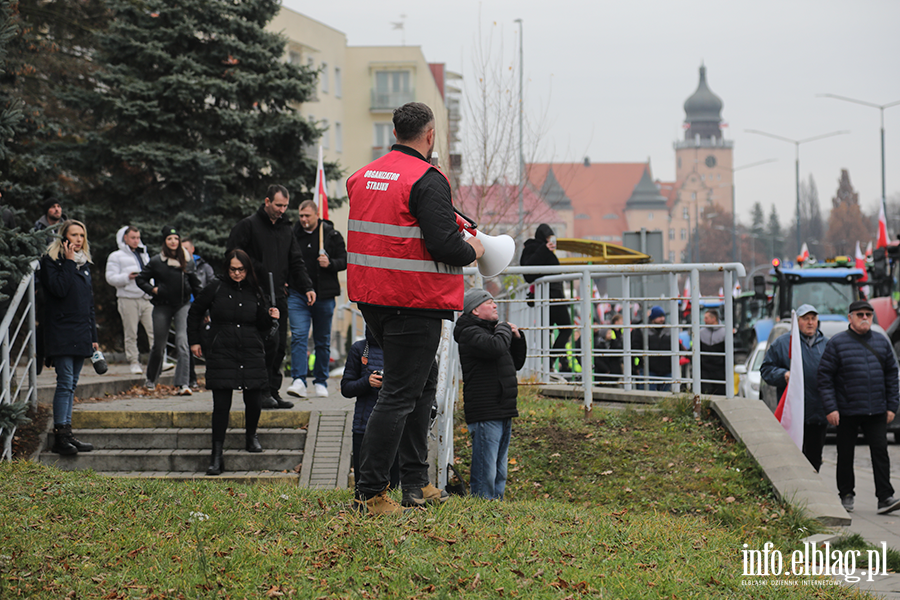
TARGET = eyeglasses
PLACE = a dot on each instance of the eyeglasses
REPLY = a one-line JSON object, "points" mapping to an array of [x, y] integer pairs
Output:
{"points": [[863, 315], [236, 269]]}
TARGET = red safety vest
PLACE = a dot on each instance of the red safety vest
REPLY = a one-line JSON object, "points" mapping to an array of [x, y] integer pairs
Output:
{"points": [[387, 262]]}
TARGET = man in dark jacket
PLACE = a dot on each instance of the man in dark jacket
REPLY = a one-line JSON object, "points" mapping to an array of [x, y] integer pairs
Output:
{"points": [[540, 251], [490, 353], [712, 344], [776, 371], [324, 255], [658, 340], [859, 388], [267, 238]]}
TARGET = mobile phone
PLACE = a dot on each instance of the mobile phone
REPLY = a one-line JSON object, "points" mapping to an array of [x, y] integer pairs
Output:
{"points": [[380, 373]]}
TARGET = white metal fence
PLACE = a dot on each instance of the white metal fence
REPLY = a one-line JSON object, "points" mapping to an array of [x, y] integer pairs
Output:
{"points": [[534, 322], [18, 351]]}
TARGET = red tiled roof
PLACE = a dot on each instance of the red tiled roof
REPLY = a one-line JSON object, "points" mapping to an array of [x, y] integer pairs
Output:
{"points": [[598, 193], [499, 204], [668, 190]]}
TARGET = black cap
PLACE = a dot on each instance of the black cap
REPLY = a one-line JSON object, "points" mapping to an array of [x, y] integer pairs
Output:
{"points": [[49, 202], [860, 305], [169, 230]]}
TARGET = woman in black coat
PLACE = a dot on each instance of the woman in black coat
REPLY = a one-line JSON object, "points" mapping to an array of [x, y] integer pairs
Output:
{"points": [[236, 358], [540, 250], [70, 333], [174, 279]]}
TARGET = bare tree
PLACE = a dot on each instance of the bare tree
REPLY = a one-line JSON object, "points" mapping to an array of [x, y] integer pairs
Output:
{"points": [[812, 227]]}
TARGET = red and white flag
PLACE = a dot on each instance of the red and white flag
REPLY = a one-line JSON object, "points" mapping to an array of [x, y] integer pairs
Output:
{"points": [[882, 227], [804, 253], [790, 411], [869, 249], [321, 196], [861, 264]]}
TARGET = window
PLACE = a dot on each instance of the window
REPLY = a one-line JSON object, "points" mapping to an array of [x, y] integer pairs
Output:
{"points": [[671, 256], [693, 195], [337, 82], [671, 233], [294, 57], [684, 213], [392, 89], [338, 138], [323, 76], [649, 216], [683, 256], [384, 139], [683, 233], [326, 135]]}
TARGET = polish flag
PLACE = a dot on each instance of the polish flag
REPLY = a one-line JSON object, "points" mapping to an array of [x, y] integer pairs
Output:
{"points": [[321, 196], [736, 292], [804, 254], [790, 409], [861, 264], [869, 249], [882, 227]]}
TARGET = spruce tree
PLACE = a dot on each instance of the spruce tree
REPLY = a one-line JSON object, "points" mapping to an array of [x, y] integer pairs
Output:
{"points": [[774, 234], [192, 118]]}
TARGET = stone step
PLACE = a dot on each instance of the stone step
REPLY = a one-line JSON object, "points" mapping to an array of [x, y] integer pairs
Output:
{"points": [[183, 438], [183, 460], [112, 419], [246, 477]]}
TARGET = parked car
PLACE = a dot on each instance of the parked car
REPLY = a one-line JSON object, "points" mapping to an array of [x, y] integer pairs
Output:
{"points": [[748, 373]]}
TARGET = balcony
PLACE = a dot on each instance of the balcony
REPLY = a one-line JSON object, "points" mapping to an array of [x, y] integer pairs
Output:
{"points": [[388, 101]]}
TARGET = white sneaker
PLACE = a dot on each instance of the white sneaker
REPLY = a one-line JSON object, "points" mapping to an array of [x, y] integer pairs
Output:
{"points": [[297, 389], [168, 366], [185, 391], [321, 390], [136, 369]]}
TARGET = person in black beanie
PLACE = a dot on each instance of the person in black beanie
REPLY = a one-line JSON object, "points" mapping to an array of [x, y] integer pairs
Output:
{"points": [[540, 251]]}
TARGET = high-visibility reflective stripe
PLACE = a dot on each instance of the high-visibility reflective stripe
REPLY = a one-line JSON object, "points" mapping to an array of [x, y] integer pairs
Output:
{"points": [[402, 264], [384, 229]]}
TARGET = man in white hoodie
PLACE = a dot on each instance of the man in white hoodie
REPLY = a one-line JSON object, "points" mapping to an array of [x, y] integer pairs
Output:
{"points": [[122, 267]]}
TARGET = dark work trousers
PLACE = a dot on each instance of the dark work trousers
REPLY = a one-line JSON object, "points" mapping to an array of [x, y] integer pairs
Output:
{"points": [[813, 442], [559, 316], [222, 411], [276, 348], [399, 422], [874, 427], [357, 447]]}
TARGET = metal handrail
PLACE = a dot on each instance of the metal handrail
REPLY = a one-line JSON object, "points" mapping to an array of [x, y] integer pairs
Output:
{"points": [[23, 328]]}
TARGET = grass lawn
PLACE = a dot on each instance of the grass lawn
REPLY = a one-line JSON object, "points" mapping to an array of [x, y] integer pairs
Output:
{"points": [[625, 505]]}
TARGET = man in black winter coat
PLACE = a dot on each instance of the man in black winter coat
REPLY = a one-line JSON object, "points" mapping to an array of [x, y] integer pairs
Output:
{"points": [[267, 238], [490, 352], [859, 388], [540, 251]]}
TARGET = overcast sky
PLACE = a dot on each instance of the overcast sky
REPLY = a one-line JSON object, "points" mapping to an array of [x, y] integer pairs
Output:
{"points": [[612, 78]]}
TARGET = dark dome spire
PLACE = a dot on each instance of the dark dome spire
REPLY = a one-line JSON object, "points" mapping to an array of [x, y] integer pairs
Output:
{"points": [[703, 111]]}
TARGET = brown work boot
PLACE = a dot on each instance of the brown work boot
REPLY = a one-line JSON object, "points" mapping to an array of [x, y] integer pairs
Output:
{"points": [[422, 496], [382, 504]]}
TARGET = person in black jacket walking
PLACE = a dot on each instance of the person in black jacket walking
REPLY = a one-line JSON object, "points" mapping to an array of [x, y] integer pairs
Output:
{"points": [[170, 280], [71, 330], [267, 239], [324, 255], [490, 352], [239, 316], [540, 250], [859, 389], [362, 379]]}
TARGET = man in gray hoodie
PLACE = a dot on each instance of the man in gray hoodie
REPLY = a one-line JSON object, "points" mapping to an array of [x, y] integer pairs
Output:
{"points": [[122, 267]]}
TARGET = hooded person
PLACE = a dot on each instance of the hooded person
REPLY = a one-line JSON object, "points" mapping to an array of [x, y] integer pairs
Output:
{"points": [[541, 251], [122, 268]]}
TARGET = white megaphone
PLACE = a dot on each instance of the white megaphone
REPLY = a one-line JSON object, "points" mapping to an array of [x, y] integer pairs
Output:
{"points": [[498, 249]]}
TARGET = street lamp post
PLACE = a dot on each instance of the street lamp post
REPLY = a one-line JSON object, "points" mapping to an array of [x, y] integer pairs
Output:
{"points": [[521, 150], [734, 243], [881, 108], [797, 165]]}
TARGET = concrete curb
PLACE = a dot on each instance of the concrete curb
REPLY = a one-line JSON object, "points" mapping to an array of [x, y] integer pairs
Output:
{"points": [[783, 464], [108, 419]]}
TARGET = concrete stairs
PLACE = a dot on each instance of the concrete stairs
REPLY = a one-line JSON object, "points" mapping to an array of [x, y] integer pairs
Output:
{"points": [[176, 445]]}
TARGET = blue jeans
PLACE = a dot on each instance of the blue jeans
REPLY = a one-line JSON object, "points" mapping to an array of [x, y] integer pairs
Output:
{"points": [[490, 449], [68, 370], [658, 386], [302, 316]]}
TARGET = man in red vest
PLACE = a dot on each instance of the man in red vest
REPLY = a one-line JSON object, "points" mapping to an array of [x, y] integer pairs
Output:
{"points": [[405, 257]]}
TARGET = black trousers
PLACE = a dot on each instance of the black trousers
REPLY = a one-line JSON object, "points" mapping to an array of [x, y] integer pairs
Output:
{"points": [[874, 428], [222, 410], [357, 448], [399, 422], [559, 316], [813, 442], [275, 349]]}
